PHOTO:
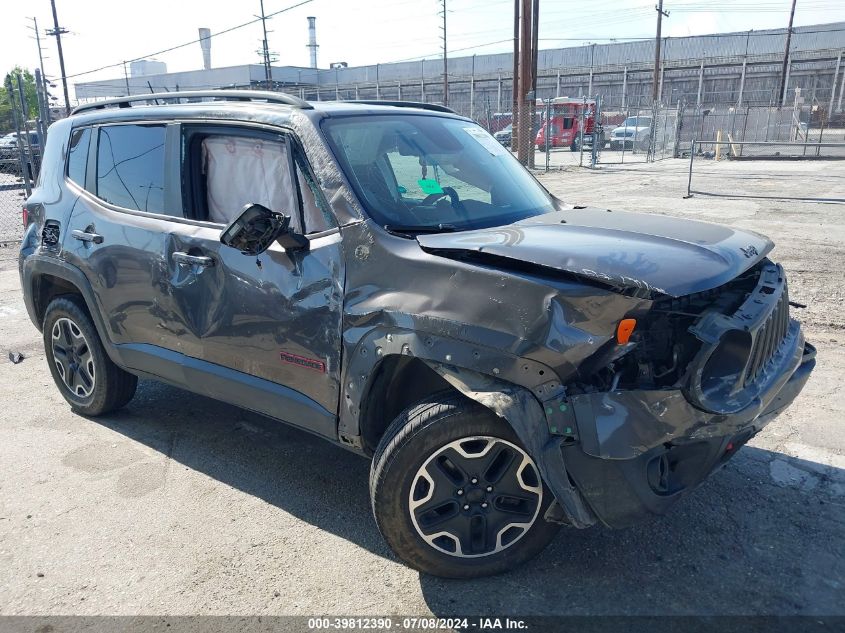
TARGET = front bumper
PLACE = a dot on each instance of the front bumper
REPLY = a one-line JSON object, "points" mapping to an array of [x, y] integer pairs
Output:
{"points": [[641, 451]]}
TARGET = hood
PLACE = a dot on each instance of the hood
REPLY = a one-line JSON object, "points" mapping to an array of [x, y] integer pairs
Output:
{"points": [[639, 254]]}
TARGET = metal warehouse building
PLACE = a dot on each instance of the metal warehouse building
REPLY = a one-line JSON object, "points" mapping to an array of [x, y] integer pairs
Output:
{"points": [[740, 68]]}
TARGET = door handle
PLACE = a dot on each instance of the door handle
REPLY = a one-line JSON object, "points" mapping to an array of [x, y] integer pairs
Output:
{"points": [[85, 236], [202, 261]]}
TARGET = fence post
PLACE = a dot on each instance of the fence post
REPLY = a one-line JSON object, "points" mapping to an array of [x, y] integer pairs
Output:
{"points": [[691, 157], [43, 108], [841, 92], [676, 146], [835, 78], [581, 133], [700, 83], [499, 94], [594, 154], [11, 94], [547, 126], [624, 87], [768, 117], [29, 155]]}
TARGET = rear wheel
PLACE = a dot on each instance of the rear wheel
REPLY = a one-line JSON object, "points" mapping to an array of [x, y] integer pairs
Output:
{"points": [[87, 378], [455, 494]]}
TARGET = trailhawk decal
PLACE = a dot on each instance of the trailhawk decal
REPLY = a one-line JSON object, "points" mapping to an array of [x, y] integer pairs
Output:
{"points": [[302, 361]]}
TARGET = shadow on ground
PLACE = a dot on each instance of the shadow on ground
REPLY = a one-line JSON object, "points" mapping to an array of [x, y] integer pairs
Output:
{"points": [[762, 536]]}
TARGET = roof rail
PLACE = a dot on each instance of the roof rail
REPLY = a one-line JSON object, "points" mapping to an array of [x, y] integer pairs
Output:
{"points": [[197, 95], [406, 104]]}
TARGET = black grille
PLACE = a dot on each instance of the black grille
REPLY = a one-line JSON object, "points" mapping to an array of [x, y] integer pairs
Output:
{"points": [[768, 338]]}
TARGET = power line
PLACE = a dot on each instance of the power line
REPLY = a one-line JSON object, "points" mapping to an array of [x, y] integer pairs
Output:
{"points": [[191, 43]]}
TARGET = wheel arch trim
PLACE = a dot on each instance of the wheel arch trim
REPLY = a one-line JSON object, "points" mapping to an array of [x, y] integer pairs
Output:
{"points": [[365, 352], [35, 267], [521, 409]]}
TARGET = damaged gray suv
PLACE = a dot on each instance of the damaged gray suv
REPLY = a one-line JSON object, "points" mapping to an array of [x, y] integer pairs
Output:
{"points": [[388, 277]]}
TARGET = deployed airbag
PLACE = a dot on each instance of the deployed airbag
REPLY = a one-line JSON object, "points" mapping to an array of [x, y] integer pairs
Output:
{"points": [[241, 171]]}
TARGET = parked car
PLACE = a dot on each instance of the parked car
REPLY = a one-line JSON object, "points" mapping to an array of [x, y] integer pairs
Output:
{"points": [[504, 136], [633, 133], [10, 154], [403, 287], [498, 121]]}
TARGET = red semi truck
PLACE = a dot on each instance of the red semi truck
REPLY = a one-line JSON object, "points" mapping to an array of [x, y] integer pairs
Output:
{"points": [[563, 127]]}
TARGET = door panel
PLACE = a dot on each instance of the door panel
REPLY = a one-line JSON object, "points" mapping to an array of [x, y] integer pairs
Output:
{"points": [[126, 271], [276, 316]]}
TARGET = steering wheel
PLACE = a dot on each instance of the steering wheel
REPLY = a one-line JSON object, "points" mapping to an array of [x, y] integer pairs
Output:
{"points": [[454, 199]]}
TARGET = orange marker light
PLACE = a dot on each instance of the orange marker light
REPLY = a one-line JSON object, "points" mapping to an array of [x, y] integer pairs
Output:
{"points": [[625, 329]]}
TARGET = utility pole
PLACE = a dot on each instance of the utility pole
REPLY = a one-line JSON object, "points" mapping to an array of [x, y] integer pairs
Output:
{"points": [[38, 42], [786, 54], [515, 81], [532, 112], [58, 31], [526, 81], [535, 27], [268, 73], [656, 81], [445, 61]]}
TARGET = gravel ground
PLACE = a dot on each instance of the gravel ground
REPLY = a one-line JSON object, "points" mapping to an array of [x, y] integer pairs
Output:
{"points": [[182, 505]]}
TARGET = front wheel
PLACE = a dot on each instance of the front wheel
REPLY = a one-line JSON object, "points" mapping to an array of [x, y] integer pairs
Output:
{"points": [[455, 494]]}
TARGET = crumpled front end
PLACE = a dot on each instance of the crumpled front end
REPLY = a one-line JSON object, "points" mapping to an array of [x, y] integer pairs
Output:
{"points": [[704, 374]]}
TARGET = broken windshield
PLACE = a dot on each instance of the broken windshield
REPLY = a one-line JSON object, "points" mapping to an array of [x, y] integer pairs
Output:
{"points": [[430, 171]]}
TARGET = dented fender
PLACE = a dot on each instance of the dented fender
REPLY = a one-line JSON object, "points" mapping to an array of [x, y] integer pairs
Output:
{"points": [[525, 414]]}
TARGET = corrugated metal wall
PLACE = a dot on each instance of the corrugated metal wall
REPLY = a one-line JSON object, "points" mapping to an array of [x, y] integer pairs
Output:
{"points": [[809, 38], [620, 72]]}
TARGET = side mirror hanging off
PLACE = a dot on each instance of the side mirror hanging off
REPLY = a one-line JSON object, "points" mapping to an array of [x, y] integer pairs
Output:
{"points": [[257, 227]]}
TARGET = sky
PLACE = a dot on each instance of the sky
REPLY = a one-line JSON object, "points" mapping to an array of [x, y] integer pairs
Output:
{"points": [[107, 32]]}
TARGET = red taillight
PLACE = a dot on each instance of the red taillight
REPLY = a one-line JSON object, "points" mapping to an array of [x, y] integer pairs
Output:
{"points": [[25, 217]]}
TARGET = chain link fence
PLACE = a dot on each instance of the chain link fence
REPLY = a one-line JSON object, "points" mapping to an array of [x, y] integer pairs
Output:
{"points": [[20, 161], [803, 130], [12, 195]]}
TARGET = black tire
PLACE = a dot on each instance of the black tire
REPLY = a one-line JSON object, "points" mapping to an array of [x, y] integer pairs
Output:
{"points": [[424, 432], [574, 146], [103, 386]]}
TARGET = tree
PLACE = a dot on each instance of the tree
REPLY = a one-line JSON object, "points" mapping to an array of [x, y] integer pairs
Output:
{"points": [[30, 96]]}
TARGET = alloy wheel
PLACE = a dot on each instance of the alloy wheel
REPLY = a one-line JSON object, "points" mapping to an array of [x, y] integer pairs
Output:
{"points": [[475, 497], [73, 358]]}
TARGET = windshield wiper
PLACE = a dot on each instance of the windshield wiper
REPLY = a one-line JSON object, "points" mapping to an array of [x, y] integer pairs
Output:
{"points": [[409, 230]]}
